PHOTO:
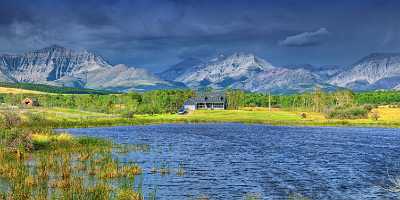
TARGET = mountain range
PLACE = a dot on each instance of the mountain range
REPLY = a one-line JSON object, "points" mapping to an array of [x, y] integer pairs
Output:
{"points": [[59, 66]]}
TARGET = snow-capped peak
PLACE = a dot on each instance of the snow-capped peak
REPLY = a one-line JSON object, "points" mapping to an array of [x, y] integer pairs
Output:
{"points": [[242, 60], [377, 70]]}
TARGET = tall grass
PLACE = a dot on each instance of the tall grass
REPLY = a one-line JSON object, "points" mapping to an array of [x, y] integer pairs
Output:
{"points": [[37, 163]]}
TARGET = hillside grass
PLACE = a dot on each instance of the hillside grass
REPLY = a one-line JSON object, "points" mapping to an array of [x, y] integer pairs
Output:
{"points": [[54, 89], [8, 90]]}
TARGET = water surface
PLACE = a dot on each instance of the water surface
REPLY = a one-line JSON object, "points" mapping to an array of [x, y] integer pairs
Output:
{"points": [[226, 161]]}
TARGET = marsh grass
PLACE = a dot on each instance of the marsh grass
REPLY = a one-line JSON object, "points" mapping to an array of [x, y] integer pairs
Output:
{"points": [[253, 196], [181, 170], [126, 148], [68, 168], [37, 163], [297, 196]]}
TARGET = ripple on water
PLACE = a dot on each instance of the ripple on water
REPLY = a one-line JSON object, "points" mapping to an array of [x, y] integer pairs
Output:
{"points": [[226, 161]]}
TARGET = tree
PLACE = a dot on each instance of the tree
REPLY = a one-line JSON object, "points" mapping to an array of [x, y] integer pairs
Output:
{"points": [[343, 98], [318, 100], [235, 99], [375, 115]]}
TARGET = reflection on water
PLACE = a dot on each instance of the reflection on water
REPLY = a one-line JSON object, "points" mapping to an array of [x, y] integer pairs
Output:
{"points": [[230, 161]]}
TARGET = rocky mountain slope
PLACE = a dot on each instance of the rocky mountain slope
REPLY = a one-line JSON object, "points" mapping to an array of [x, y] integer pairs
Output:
{"points": [[373, 72], [324, 72], [244, 71], [56, 65]]}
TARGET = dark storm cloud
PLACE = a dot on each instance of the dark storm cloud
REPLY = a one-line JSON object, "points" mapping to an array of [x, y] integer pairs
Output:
{"points": [[155, 33], [306, 39]]}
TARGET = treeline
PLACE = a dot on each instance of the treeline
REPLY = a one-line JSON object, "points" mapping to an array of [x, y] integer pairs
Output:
{"points": [[158, 101], [312, 101], [378, 98], [54, 89], [315, 100], [169, 101], [342, 104]]}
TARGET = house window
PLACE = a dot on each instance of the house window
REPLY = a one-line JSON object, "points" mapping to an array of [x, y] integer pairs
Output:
{"points": [[200, 105], [218, 105]]}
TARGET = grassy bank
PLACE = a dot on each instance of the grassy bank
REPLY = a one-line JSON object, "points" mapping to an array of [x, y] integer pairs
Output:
{"points": [[65, 118], [389, 117], [37, 163]]}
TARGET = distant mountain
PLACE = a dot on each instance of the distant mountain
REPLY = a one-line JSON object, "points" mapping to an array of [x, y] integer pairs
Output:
{"points": [[324, 72], [180, 68], [243, 71], [373, 72], [56, 65], [124, 78], [59, 66], [223, 70]]}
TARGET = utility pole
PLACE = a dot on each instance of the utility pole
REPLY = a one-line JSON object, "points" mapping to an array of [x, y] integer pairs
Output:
{"points": [[269, 101]]}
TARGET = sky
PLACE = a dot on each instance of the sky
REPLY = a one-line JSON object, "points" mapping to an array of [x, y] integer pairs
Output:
{"points": [[155, 34]]}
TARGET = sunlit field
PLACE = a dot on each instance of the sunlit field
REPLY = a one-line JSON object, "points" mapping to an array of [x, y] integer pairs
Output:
{"points": [[63, 117], [388, 117], [18, 91]]}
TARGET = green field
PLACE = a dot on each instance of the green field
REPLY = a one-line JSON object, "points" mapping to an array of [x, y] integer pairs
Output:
{"points": [[62, 117], [89, 110], [389, 117]]}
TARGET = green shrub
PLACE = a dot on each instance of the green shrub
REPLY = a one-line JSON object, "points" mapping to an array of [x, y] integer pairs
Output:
{"points": [[11, 119], [369, 107], [347, 113]]}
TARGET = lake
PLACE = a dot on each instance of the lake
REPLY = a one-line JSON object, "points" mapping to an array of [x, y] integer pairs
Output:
{"points": [[228, 161]]}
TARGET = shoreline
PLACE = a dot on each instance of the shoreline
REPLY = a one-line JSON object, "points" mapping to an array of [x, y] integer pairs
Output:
{"points": [[133, 122]]}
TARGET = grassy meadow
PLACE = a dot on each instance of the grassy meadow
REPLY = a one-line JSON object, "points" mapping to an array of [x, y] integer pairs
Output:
{"points": [[389, 117], [65, 117]]}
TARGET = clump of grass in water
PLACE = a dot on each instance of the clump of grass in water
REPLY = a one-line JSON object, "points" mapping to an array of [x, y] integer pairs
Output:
{"points": [[394, 186], [126, 148], [181, 170], [164, 169], [297, 196], [252, 196]]}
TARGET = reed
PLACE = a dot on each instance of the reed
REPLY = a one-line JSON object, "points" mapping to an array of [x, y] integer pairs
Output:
{"points": [[37, 163]]}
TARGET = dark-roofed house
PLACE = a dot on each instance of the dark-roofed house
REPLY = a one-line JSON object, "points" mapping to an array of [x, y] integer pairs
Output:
{"points": [[206, 102]]}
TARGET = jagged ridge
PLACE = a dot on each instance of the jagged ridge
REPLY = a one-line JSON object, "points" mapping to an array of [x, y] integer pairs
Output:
{"points": [[56, 65]]}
